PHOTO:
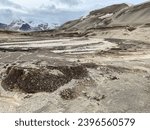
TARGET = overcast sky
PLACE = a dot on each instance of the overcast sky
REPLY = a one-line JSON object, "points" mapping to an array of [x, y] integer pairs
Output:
{"points": [[52, 11]]}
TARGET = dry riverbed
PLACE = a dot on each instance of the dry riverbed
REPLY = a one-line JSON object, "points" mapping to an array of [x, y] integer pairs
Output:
{"points": [[84, 74]]}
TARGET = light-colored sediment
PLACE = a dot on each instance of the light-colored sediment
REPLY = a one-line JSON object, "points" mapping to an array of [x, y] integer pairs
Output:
{"points": [[119, 83]]}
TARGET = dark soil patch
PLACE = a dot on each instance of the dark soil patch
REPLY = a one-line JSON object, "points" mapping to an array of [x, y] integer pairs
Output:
{"points": [[31, 80], [90, 65], [124, 46], [17, 49]]}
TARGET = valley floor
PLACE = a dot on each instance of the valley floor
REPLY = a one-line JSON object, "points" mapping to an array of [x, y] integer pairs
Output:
{"points": [[117, 64]]}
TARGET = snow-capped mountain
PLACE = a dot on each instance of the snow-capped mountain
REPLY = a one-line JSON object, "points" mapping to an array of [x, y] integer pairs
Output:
{"points": [[43, 26], [21, 25], [38, 26], [3, 26], [25, 27], [16, 24]]}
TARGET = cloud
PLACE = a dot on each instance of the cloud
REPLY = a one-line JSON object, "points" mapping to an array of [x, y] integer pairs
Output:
{"points": [[51, 14], [9, 4], [71, 2], [51, 11]]}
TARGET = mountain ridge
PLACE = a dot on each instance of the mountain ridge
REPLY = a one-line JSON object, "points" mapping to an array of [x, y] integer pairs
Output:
{"points": [[111, 16], [21, 25]]}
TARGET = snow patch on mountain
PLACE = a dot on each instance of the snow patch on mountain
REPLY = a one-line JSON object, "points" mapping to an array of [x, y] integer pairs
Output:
{"points": [[22, 25]]}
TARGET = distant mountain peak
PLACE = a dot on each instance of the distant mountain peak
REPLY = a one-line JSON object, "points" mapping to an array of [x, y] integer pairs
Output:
{"points": [[3, 26], [17, 22], [25, 27], [21, 25]]}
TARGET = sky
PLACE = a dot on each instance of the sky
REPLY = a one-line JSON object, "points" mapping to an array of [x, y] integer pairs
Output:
{"points": [[52, 11]]}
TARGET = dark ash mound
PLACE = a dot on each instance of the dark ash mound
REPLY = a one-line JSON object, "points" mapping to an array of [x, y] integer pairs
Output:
{"points": [[49, 79]]}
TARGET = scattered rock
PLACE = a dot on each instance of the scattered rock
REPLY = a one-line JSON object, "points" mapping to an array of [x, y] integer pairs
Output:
{"points": [[131, 28], [147, 77], [99, 98], [68, 94], [113, 78], [28, 96], [5, 66], [78, 60]]}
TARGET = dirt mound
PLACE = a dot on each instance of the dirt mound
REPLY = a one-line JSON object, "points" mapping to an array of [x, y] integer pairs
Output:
{"points": [[49, 79]]}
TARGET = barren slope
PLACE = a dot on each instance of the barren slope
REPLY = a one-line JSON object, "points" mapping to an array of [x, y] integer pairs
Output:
{"points": [[112, 16], [134, 15]]}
